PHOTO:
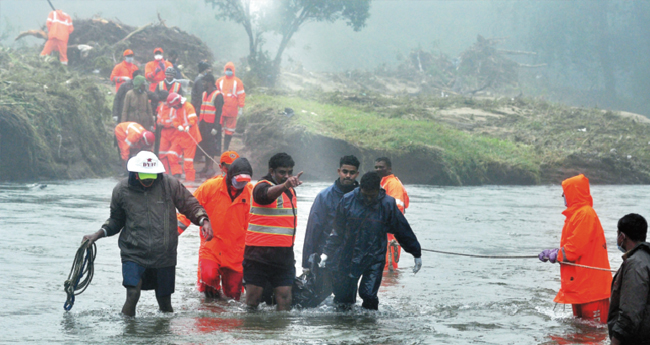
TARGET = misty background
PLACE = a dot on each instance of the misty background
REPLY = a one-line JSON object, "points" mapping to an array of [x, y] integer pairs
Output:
{"points": [[596, 51]]}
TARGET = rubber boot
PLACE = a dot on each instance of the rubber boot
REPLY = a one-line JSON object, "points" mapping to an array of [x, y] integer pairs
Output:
{"points": [[226, 142]]}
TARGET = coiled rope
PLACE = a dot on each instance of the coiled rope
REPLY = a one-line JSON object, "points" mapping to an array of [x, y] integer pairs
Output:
{"points": [[515, 257], [82, 267]]}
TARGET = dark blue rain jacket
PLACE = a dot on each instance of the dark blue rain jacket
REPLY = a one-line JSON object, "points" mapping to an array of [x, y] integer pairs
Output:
{"points": [[358, 239], [321, 219]]}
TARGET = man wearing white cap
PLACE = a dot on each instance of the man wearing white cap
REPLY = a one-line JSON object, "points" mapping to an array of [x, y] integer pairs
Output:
{"points": [[143, 211]]}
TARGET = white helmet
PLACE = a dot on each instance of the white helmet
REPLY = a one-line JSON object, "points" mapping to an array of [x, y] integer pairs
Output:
{"points": [[145, 162]]}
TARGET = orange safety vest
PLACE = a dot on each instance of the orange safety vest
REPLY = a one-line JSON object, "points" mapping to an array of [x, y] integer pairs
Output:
{"points": [[208, 110], [176, 86], [273, 225]]}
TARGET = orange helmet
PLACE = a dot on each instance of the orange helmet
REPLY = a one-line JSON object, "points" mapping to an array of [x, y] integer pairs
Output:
{"points": [[173, 99], [158, 50], [228, 157], [128, 52], [149, 138]]}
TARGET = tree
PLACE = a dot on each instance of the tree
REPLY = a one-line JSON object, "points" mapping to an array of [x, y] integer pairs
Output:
{"points": [[285, 17]]}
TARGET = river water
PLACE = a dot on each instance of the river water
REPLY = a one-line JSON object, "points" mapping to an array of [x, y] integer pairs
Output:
{"points": [[453, 300]]}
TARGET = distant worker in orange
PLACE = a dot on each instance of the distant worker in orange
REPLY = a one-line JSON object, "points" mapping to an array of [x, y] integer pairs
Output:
{"points": [[131, 139], [59, 28], [154, 70], [583, 242], [123, 71], [394, 188], [184, 141], [228, 202], [234, 95]]}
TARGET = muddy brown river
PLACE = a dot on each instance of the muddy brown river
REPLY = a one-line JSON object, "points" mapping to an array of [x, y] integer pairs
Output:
{"points": [[453, 300]]}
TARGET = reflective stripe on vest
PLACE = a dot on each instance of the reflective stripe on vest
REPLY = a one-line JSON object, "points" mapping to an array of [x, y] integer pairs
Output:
{"points": [[234, 89], [208, 110], [272, 225], [175, 86]]}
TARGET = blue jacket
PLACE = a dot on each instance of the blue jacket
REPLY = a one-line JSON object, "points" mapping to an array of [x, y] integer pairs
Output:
{"points": [[358, 239], [321, 218]]}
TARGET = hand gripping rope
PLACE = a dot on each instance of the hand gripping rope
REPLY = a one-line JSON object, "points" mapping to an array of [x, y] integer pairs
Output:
{"points": [[515, 257], [81, 266]]}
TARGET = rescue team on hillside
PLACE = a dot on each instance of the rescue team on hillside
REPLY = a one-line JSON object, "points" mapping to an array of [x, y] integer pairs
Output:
{"points": [[181, 127]]}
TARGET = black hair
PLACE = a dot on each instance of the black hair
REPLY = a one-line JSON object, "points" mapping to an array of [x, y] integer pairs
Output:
{"points": [[370, 181], [386, 160], [634, 226], [203, 65], [137, 73], [349, 160], [209, 78], [281, 160]]}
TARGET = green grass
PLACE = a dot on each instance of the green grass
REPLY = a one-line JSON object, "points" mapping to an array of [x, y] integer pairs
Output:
{"points": [[377, 131]]}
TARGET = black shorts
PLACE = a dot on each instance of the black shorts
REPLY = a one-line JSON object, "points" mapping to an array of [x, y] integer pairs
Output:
{"points": [[162, 279], [258, 274]]}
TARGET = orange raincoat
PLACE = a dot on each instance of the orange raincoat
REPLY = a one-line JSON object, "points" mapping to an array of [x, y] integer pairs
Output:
{"points": [[394, 188], [59, 28], [234, 95], [229, 221], [583, 242], [122, 69], [154, 77]]}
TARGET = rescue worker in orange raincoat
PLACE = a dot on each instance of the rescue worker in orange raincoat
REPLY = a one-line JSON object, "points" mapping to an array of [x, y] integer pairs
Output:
{"points": [[168, 132], [227, 201], [123, 71], [154, 70], [184, 142], [234, 95], [583, 242], [394, 188], [59, 28], [131, 138]]}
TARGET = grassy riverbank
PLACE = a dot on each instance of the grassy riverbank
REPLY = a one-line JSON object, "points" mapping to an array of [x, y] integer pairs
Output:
{"points": [[473, 141]]}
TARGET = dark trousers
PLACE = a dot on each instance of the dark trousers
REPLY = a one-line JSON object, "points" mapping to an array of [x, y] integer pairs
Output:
{"points": [[345, 287], [210, 143]]}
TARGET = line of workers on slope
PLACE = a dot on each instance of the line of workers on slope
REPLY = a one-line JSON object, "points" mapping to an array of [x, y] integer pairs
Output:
{"points": [[161, 108], [254, 231]]}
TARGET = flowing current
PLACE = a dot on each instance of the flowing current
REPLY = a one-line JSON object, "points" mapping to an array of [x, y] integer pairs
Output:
{"points": [[452, 300]]}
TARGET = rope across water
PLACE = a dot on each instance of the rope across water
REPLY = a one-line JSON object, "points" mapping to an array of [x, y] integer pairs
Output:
{"points": [[514, 257]]}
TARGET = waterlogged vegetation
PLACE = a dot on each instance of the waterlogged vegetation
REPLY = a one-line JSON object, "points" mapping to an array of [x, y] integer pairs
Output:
{"points": [[52, 120]]}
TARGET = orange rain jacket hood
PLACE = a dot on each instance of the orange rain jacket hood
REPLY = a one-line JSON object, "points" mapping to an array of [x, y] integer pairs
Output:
{"points": [[583, 242]]}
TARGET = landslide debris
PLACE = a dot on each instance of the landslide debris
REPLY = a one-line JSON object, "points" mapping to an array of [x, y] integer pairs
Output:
{"points": [[97, 44], [52, 121]]}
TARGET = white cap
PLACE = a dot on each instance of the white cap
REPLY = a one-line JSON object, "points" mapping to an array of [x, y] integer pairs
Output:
{"points": [[145, 162]]}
